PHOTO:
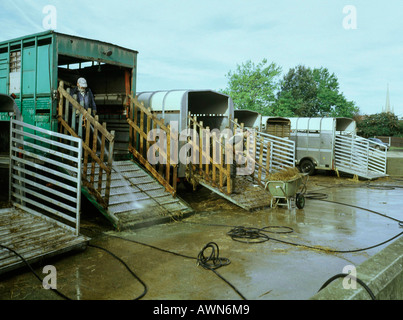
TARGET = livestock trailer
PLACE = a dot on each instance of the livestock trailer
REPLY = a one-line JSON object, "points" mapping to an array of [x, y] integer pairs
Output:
{"points": [[32, 66], [212, 108], [250, 119], [277, 126], [315, 140]]}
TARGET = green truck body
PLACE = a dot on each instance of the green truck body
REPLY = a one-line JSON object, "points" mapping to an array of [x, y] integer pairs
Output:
{"points": [[32, 66]]}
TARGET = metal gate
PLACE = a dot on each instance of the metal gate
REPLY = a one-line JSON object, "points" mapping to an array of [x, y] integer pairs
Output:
{"points": [[282, 153], [45, 174], [354, 154]]}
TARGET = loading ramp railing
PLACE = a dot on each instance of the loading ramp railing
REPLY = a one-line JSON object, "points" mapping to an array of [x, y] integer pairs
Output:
{"points": [[98, 144], [153, 144], [38, 184], [44, 219], [356, 155], [123, 190], [234, 163], [271, 153], [257, 154]]}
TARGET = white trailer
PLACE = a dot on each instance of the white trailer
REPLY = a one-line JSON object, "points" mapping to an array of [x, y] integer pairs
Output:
{"points": [[332, 144], [250, 119], [214, 109]]}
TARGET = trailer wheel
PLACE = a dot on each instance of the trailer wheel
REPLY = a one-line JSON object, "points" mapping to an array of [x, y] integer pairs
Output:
{"points": [[307, 166], [300, 201]]}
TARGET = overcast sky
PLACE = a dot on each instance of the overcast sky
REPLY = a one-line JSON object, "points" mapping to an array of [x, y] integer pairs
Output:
{"points": [[188, 44]]}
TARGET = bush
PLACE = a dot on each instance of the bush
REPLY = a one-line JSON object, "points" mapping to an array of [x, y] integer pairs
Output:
{"points": [[379, 124]]}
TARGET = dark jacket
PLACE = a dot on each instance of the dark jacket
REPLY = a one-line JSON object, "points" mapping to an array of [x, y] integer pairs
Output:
{"points": [[87, 101]]}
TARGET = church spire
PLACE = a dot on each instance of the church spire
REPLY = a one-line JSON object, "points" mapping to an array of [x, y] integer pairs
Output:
{"points": [[387, 104]]}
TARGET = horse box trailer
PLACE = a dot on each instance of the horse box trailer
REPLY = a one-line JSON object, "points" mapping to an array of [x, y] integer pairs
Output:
{"points": [[315, 140], [214, 109], [250, 119], [32, 66]]}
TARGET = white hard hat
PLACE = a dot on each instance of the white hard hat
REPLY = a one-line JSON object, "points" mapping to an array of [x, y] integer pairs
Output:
{"points": [[82, 82]]}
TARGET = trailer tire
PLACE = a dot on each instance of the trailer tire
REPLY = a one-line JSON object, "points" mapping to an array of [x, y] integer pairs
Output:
{"points": [[307, 166]]}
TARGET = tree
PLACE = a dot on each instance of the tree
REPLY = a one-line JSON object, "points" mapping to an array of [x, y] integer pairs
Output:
{"points": [[253, 86], [379, 124], [306, 92]]}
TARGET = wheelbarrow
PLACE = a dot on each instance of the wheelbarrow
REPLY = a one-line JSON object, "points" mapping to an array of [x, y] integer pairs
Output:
{"points": [[292, 191]]}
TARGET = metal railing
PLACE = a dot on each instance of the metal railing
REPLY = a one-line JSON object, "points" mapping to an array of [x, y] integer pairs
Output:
{"points": [[283, 151], [258, 150], [38, 181], [356, 154]]}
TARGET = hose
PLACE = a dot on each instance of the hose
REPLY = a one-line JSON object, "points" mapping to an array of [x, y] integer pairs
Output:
{"points": [[90, 245], [211, 262], [343, 275]]}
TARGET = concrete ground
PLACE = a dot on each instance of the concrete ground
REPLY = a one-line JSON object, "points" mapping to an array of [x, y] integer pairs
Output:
{"points": [[283, 267]]}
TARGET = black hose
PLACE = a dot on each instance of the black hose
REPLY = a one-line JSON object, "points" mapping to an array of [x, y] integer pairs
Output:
{"points": [[127, 267], [337, 251], [61, 294], [33, 271], [212, 262], [323, 198], [247, 235], [343, 275]]}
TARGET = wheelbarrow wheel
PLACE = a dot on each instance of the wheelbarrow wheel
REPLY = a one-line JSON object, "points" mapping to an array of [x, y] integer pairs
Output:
{"points": [[300, 201]]}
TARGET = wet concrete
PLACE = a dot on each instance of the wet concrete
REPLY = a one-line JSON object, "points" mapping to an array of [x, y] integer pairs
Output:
{"points": [[271, 270]]}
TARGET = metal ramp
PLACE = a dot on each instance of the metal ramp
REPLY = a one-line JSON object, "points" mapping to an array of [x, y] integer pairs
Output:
{"points": [[34, 238], [247, 195], [128, 194], [355, 155], [137, 199], [44, 219]]}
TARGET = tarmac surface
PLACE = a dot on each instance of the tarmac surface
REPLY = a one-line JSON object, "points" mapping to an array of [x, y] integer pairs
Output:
{"points": [[343, 223]]}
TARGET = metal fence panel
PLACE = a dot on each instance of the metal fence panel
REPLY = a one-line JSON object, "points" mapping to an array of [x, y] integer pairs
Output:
{"points": [[355, 153], [282, 153], [45, 174]]}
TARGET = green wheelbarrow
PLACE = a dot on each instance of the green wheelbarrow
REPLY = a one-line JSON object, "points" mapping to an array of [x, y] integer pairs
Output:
{"points": [[292, 191]]}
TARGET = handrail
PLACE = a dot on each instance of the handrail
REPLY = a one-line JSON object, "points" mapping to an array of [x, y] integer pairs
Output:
{"points": [[69, 111], [142, 123], [213, 155], [265, 152]]}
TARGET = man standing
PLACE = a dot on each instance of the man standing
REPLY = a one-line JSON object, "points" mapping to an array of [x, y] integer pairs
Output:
{"points": [[85, 96]]}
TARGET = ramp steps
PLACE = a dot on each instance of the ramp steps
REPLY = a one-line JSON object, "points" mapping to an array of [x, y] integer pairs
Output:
{"points": [[136, 197], [247, 194], [32, 237]]}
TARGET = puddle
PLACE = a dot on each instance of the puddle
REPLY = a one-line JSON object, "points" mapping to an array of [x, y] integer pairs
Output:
{"points": [[269, 270]]}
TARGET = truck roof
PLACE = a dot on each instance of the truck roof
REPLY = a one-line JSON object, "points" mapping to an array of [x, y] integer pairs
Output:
{"points": [[52, 32]]}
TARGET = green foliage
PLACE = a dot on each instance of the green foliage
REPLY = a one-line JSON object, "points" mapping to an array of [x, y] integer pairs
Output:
{"points": [[253, 86], [379, 124], [303, 92], [306, 92]]}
